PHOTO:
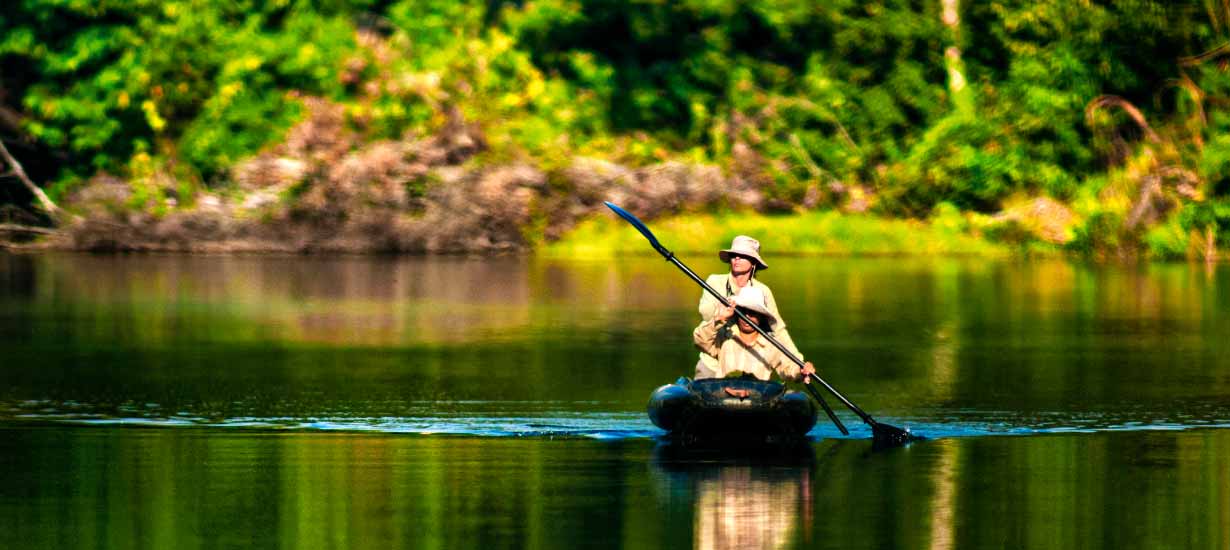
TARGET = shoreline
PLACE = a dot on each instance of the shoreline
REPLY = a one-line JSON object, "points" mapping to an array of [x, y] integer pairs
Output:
{"points": [[826, 233]]}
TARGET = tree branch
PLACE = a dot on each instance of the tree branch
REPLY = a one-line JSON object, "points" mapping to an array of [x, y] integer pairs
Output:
{"points": [[1193, 60], [814, 169], [44, 201], [1106, 101], [11, 119], [15, 228]]}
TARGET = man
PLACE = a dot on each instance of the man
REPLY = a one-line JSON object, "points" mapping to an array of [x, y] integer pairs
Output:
{"points": [[744, 260], [739, 349]]}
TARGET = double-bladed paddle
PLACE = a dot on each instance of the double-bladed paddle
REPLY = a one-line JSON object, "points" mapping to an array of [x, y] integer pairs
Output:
{"points": [[882, 434]]}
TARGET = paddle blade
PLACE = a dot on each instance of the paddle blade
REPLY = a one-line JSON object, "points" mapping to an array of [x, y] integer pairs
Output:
{"points": [[883, 435], [628, 217]]}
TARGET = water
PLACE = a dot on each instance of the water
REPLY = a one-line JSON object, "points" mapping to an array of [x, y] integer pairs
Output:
{"points": [[183, 402]]}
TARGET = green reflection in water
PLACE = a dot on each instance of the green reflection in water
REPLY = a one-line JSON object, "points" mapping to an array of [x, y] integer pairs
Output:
{"points": [[968, 346], [1047, 345], [133, 488]]}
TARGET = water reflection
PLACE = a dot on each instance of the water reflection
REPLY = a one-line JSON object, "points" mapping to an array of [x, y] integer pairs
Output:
{"points": [[1001, 347], [380, 301], [564, 350], [746, 507], [349, 301], [758, 502], [943, 501], [107, 487]]}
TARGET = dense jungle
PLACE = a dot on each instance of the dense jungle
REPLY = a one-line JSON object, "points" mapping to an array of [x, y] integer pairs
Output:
{"points": [[439, 126]]}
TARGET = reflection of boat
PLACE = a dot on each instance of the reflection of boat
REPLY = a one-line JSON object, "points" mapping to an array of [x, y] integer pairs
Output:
{"points": [[736, 412], [743, 503]]}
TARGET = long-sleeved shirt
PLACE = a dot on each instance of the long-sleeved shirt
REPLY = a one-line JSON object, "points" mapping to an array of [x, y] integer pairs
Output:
{"points": [[709, 307], [760, 358]]}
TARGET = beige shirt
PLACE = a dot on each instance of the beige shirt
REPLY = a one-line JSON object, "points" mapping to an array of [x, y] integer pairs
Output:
{"points": [[760, 358], [709, 307]]}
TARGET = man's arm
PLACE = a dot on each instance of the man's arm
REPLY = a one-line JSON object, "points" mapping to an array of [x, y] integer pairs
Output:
{"points": [[789, 370], [779, 329], [705, 337], [708, 306]]}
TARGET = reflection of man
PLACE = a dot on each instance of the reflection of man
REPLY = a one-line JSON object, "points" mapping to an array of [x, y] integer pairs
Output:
{"points": [[740, 509]]}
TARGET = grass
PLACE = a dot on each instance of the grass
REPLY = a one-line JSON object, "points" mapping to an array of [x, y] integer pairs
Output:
{"points": [[810, 233]]}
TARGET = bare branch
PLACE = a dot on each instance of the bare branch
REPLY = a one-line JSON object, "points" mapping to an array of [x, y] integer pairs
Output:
{"points": [[1145, 207], [1208, 8], [1198, 97], [797, 147], [1193, 60], [1225, 10], [1210, 244], [11, 120], [44, 201], [1107, 101], [15, 228], [1183, 175]]}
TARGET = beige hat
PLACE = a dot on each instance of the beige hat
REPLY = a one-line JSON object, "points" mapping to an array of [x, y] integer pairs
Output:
{"points": [[744, 246], [752, 298]]}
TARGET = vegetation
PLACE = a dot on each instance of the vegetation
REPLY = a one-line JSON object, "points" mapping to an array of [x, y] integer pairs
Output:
{"points": [[811, 233], [1099, 127]]}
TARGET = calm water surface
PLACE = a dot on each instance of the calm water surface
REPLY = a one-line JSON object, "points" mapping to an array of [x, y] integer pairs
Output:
{"points": [[206, 402]]}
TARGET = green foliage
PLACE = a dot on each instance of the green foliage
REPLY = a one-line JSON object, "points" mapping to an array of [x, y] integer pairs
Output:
{"points": [[1167, 241], [814, 233], [795, 95], [1100, 234], [837, 88], [101, 79]]}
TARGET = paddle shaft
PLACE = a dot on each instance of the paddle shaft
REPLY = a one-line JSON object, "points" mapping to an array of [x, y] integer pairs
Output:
{"points": [[811, 388]]}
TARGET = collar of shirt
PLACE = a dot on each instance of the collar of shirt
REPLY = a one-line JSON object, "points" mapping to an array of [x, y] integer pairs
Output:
{"points": [[759, 342], [730, 284]]}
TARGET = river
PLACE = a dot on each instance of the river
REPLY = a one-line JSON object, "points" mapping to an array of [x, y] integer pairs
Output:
{"points": [[376, 402]]}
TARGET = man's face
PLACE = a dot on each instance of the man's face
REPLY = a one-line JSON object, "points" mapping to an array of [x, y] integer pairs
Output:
{"points": [[740, 263], [755, 317]]}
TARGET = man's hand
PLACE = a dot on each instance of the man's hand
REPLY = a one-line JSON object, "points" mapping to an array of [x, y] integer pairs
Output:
{"points": [[741, 394], [724, 314], [808, 370]]}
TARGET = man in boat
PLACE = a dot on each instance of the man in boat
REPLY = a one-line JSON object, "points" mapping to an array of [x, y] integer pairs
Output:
{"points": [[744, 259], [738, 349]]}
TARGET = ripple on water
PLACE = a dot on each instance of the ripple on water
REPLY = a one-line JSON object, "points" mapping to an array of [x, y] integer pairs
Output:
{"points": [[561, 420]]}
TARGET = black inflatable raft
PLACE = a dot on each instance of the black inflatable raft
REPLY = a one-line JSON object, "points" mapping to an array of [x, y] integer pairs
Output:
{"points": [[702, 411]]}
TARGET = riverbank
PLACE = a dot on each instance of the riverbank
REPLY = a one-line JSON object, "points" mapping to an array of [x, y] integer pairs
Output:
{"points": [[599, 234], [814, 233], [827, 233]]}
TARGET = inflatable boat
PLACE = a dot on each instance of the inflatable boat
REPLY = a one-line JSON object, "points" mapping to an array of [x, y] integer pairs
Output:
{"points": [[731, 411]]}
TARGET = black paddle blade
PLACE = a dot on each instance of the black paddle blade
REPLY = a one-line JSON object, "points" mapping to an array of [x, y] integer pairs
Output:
{"points": [[883, 435], [636, 222]]}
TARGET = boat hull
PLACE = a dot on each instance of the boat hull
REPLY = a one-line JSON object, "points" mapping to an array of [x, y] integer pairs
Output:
{"points": [[702, 412]]}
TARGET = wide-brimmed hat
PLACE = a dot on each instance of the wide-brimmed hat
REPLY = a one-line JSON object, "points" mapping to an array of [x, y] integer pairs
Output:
{"points": [[744, 246], [752, 298]]}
